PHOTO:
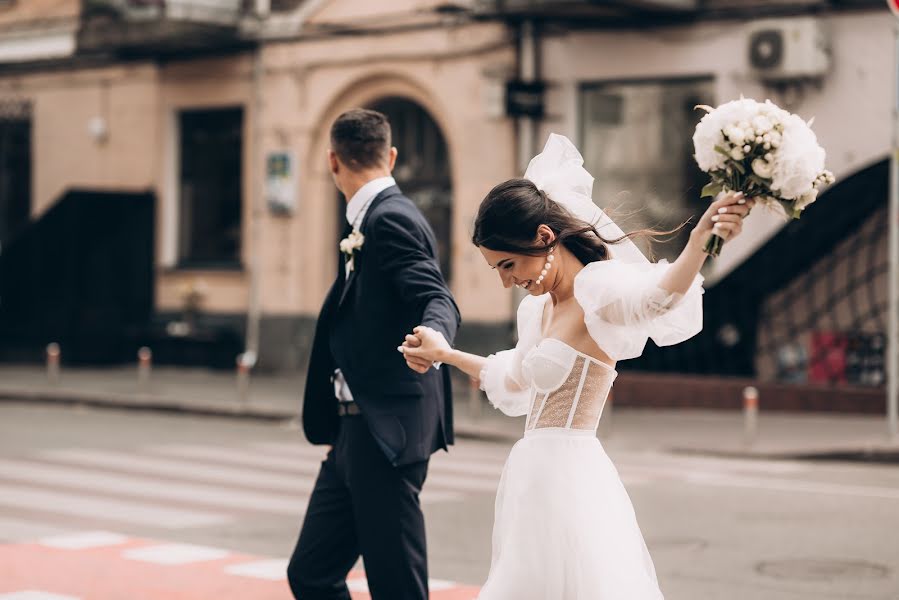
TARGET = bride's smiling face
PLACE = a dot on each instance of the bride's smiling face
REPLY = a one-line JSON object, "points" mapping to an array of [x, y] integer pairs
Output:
{"points": [[516, 269], [523, 270]]}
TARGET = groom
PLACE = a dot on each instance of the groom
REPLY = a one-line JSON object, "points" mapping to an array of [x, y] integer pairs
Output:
{"points": [[382, 420]]}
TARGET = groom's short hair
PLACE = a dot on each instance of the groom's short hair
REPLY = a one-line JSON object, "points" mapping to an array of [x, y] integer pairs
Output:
{"points": [[361, 138]]}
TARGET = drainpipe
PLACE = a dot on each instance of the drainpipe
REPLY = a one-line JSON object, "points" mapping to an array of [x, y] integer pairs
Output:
{"points": [[528, 71], [257, 212], [526, 127]]}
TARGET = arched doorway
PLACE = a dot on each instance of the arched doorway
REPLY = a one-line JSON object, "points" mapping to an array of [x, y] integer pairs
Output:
{"points": [[422, 168]]}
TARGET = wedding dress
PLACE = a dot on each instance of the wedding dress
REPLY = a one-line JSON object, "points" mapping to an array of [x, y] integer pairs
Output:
{"points": [[564, 526]]}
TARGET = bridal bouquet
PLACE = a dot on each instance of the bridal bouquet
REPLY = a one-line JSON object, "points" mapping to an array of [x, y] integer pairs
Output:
{"points": [[763, 151]]}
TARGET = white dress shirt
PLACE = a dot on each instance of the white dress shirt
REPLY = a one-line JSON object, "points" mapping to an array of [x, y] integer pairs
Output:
{"points": [[355, 214]]}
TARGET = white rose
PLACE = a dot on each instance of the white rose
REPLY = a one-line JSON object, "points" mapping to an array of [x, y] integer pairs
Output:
{"points": [[798, 161], [735, 135], [762, 124], [761, 168], [737, 154], [806, 199]]}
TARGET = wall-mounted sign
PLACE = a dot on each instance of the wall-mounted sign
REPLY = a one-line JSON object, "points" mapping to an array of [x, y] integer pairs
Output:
{"points": [[281, 182]]}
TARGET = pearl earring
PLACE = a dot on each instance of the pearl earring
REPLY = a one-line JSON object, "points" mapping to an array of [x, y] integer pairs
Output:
{"points": [[549, 263]]}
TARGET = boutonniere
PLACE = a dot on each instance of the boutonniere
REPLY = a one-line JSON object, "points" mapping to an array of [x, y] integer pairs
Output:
{"points": [[349, 245]]}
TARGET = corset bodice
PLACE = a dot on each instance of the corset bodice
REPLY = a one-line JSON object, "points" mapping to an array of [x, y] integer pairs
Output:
{"points": [[568, 388]]}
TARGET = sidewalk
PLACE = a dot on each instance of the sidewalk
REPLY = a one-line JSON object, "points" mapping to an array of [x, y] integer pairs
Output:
{"points": [[200, 391]]}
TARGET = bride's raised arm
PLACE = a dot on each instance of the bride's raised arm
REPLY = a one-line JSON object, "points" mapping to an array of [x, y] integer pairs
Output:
{"points": [[626, 303], [724, 218]]}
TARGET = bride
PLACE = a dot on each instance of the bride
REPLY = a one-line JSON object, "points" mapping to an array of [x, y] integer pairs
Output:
{"points": [[564, 526]]}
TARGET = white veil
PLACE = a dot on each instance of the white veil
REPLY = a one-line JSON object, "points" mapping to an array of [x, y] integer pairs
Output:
{"points": [[559, 171]]}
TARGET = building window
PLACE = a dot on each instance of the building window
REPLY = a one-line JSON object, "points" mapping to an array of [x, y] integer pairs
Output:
{"points": [[15, 169], [210, 187], [637, 142]]}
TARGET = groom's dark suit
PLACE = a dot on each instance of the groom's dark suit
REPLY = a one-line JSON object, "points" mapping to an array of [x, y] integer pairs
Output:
{"points": [[365, 500]]}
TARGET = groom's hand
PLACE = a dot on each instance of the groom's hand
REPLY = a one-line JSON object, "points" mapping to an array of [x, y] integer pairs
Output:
{"points": [[416, 363]]}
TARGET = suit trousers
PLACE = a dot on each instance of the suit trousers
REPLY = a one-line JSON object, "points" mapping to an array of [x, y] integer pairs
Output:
{"points": [[362, 505]]}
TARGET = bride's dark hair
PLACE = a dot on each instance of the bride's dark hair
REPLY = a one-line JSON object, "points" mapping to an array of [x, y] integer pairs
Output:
{"points": [[508, 218]]}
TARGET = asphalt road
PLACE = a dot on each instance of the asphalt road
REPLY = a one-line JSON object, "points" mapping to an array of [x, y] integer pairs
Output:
{"points": [[230, 496]]}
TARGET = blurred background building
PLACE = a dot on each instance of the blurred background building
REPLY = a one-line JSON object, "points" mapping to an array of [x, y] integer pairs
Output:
{"points": [[163, 178]]}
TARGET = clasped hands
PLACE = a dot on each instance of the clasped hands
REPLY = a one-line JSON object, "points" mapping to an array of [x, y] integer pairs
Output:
{"points": [[424, 347]]}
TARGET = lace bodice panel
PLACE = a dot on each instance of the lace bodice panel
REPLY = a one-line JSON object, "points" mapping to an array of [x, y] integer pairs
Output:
{"points": [[568, 388]]}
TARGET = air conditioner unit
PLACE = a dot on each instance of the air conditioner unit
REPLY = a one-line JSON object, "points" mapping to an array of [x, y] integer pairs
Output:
{"points": [[781, 50]]}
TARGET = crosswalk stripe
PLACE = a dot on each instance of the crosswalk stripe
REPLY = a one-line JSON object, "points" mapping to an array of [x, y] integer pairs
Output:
{"points": [[26, 530], [449, 481], [295, 450], [473, 465], [441, 463], [242, 457], [218, 497], [488, 457], [175, 554], [84, 540], [271, 570], [458, 483], [35, 595], [169, 467], [86, 505]]}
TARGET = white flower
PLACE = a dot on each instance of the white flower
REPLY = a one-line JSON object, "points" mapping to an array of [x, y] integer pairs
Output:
{"points": [[735, 135], [352, 242], [731, 119], [798, 160], [762, 124], [761, 168], [792, 166], [806, 199]]}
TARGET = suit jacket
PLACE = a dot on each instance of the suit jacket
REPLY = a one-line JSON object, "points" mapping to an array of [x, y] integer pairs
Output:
{"points": [[395, 286]]}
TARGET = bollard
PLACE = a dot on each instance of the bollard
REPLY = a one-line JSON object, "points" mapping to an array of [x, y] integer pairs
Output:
{"points": [[53, 354], [144, 366], [474, 398], [245, 362], [750, 414]]}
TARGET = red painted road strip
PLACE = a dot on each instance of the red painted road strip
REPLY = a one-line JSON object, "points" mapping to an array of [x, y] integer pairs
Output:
{"points": [[104, 574]]}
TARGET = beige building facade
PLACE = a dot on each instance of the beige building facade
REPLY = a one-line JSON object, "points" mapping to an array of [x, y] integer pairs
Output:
{"points": [[137, 121]]}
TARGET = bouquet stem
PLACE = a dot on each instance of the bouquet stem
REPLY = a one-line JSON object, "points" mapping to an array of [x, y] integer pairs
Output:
{"points": [[713, 246]]}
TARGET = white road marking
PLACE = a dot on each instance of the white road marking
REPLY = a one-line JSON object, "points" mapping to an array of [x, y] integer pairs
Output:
{"points": [[271, 570], [219, 497], [175, 554], [94, 507], [35, 595], [84, 540]]}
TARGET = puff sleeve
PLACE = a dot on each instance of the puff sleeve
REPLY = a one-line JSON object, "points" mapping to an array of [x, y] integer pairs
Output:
{"points": [[624, 306], [502, 378]]}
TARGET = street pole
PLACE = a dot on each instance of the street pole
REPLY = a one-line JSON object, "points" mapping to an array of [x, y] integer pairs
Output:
{"points": [[893, 249], [529, 72], [257, 211]]}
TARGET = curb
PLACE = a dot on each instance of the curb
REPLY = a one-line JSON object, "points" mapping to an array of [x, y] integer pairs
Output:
{"points": [[863, 451]]}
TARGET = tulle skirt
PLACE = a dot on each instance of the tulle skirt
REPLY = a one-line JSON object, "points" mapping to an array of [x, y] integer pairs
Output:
{"points": [[565, 528]]}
